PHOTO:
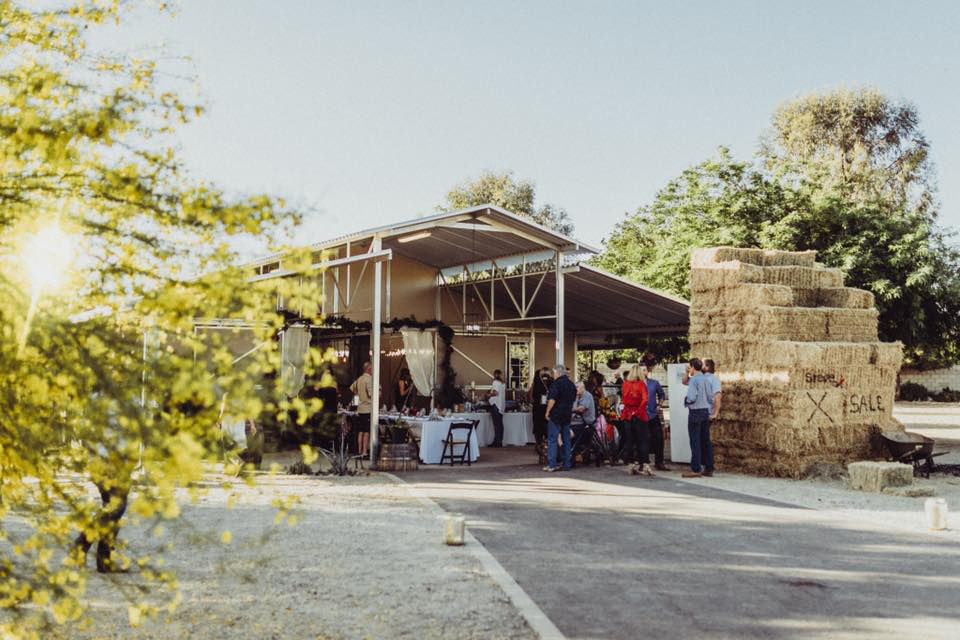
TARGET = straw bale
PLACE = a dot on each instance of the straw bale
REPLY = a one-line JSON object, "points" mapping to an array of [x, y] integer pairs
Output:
{"points": [[805, 380], [887, 354], [744, 296], [723, 275], [845, 297], [875, 476], [787, 323], [759, 257], [804, 277]]}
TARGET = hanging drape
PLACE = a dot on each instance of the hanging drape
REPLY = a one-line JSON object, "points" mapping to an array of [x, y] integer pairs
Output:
{"points": [[419, 352], [295, 342]]}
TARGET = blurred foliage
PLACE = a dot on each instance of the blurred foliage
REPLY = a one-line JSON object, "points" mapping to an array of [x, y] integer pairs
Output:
{"points": [[108, 252], [845, 174]]}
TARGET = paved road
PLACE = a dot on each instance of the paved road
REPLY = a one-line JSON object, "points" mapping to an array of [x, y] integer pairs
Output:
{"points": [[607, 555]]}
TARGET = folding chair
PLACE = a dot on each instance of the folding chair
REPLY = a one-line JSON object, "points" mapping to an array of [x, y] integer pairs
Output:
{"points": [[455, 438]]}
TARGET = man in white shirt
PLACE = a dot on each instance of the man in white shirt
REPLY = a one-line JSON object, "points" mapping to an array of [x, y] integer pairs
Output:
{"points": [[497, 397]]}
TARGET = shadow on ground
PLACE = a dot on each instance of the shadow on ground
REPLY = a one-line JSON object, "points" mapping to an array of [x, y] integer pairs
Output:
{"points": [[607, 555]]}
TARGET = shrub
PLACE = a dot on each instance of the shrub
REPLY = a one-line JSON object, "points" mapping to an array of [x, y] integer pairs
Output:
{"points": [[913, 391], [946, 395]]}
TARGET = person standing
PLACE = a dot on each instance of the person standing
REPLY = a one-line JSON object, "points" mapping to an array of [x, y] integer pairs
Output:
{"points": [[716, 391], [538, 401], [403, 392], [655, 397], [699, 392], [112, 462], [560, 399], [362, 387], [497, 399], [634, 418]]}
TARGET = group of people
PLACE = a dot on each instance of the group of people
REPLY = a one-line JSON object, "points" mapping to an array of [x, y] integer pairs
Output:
{"points": [[560, 407]]}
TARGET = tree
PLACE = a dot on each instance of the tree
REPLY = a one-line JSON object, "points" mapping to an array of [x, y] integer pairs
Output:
{"points": [[502, 190], [102, 238], [899, 255], [861, 141]]}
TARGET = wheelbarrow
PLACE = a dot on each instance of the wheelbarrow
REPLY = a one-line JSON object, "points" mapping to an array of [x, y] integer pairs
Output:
{"points": [[913, 449]]}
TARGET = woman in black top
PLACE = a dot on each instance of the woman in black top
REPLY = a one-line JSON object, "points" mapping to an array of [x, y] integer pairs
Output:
{"points": [[538, 400], [404, 390]]}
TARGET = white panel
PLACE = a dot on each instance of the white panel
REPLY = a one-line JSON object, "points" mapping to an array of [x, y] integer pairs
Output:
{"points": [[677, 391]]}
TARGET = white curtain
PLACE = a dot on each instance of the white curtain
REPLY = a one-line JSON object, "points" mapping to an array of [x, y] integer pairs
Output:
{"points": [[419, 352], [296, 341]]}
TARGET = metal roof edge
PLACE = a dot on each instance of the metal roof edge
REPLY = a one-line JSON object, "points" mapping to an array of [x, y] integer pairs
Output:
{"points": [[573, 244], [668, 296]]}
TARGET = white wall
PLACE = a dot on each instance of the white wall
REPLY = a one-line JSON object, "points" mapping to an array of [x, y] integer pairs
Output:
{"points": [[935, 379]]}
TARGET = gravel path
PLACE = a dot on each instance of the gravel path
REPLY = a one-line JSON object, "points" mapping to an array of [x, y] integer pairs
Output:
{"points": [[364, 560]]}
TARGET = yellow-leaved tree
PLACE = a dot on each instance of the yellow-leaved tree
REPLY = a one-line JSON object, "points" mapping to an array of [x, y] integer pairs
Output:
{"points": [[109, 252]]}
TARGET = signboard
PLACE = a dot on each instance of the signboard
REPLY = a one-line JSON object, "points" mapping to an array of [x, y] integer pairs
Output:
{"points": [[676, 392]]}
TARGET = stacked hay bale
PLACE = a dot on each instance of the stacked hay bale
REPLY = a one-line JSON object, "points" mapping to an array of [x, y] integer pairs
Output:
{"points": [[805, 378]]}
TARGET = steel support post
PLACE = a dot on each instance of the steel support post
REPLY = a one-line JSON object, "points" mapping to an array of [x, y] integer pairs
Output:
{"points": [[375, 359], [559, 320]]}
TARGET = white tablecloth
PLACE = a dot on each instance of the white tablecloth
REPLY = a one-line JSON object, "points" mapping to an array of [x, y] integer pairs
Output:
{"points": [[484, 428], [517, 427], [432, 433]]}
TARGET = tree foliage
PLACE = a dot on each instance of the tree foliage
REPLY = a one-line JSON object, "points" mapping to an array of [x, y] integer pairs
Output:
{"points": [[102, 237], [860, 141], [517, 196], [842, 174]]}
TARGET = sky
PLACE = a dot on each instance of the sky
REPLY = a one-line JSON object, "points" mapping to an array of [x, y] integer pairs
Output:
{"points": [[365, 113]]}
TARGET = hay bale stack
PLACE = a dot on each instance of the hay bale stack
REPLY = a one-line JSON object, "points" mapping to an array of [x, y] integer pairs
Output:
{"points": [[806, 380]]}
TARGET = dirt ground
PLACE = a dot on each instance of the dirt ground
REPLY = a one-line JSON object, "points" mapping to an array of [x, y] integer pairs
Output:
{"points": [[364, 560]]}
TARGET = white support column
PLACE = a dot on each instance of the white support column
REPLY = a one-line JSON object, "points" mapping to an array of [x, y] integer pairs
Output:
{"points": [[375, 359], [534, 365], [389, 284], [436, 345], [559, 320], [576, 369], [437, 301]]}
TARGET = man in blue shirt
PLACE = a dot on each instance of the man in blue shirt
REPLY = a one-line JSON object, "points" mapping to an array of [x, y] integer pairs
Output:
{"points": [[699, 402], [710, 373], [560, 400], [656, 396]]}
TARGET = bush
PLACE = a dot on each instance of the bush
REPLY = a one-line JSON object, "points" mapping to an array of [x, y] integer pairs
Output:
{"points": [[946, 395], [912, 391]]}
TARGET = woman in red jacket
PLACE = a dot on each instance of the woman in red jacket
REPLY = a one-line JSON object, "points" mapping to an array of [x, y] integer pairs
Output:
{"points": [[634, 417]]}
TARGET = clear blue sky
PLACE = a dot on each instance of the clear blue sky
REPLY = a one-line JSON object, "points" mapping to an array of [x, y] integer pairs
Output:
{"points": [[370, 111]]}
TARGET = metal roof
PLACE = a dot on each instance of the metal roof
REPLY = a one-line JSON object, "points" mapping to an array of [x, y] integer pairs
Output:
{"points": [[597, 304], [457, 237]]}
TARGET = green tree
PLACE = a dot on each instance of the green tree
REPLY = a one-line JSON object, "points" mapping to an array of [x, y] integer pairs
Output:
{"points": [[861, 141], [102, 235], [897, 253], [517, 196]]}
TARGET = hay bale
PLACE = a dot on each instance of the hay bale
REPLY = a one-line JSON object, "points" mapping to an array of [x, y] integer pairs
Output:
{"points": [[724, 275], [805, 379], [844, 297], [803, 277], [759, 257], [875, 476]]}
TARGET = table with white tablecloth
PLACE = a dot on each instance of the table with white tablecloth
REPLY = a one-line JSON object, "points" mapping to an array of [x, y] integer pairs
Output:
{"points": [[432, 433], [517, 427]]}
